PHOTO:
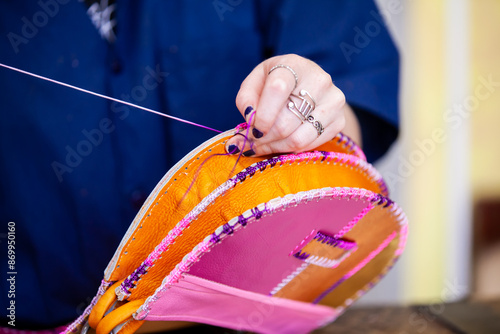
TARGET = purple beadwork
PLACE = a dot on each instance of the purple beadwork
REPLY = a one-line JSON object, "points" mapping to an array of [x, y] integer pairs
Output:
{"points": [[130, 281], [242, 220], [382, 200], [215, 238], [228, 229], [335, 242], [301, 256]]}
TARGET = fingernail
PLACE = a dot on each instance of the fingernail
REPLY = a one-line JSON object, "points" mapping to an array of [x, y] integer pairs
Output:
{"points": [[249, 153], [248, 111], [256, 133], [233, 149]]}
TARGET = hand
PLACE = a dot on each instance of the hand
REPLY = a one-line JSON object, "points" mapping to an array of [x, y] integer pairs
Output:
{"points": [[263, 100]]}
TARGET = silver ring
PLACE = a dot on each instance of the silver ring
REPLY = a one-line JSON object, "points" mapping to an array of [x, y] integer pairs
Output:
{"points": [[304, 108], [317, 124], [288, 68]]}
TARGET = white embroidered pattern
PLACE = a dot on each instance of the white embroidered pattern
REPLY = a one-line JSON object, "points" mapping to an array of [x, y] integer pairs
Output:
{"points": [[100, 14]]}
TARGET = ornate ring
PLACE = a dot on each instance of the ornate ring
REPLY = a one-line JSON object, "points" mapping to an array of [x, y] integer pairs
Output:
{"points": [[317, 124], [288, 68], [303, 109], [303, 105]]}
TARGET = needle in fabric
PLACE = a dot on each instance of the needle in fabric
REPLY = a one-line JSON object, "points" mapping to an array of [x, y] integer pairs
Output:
{"points": [[108, 97]]}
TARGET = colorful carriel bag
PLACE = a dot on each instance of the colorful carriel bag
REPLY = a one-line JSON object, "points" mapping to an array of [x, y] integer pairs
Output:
{"points": [[282, 245]]}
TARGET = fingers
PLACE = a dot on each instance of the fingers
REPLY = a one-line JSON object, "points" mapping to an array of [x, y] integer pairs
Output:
{"points": [[277, 118], [278, 86], [250, 91], [305, 137], [266, 92]]}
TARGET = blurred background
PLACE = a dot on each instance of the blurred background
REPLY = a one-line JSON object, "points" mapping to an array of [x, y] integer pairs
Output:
{"points": [[444, 170]]}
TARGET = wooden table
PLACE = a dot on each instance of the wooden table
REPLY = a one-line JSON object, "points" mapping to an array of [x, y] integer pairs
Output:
{"points": [[464, 317], [471, 317]]}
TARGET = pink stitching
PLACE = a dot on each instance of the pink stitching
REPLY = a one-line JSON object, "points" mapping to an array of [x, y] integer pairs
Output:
{"points": [[185, 222], [158, 199], [207, 245], [372, 254], [302, 243], [402, 239], [81, 319], [354, 221]]}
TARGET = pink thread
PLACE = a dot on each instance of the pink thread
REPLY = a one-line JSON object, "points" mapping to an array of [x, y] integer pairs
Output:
{"points": [[303, 242], [372, 254], [163, 246], [403, 234], [353, 222], [198, 172], [177, 230], [7, 330], [108, 98], [241, 126], [205, 245], [247, 127], [81, 319]]}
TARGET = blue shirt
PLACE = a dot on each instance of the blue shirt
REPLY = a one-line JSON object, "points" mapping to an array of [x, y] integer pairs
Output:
{"points": [[76, 168]]}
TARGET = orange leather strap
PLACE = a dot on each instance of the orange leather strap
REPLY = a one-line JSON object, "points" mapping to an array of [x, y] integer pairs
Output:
{"points": [[119, 316], [103, 305]]}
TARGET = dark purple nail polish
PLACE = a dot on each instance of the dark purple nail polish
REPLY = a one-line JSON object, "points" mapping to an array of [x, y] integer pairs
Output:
{"points": [[256, 133], [248, 110], [249, 153], [233, 149]]}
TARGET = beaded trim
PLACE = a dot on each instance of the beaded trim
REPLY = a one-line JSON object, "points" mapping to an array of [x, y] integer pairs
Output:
{"points": [[320, 261], [334, 241], [354, 221], [359, 265], [350, 145], [403, 235], [75, 325], [289, 278], [148, 207], [11, 330], [263, 210], [123, 292], [323, 261]]}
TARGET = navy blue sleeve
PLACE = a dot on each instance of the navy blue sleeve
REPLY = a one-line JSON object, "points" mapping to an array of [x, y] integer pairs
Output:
{"points": [[350, 41]]}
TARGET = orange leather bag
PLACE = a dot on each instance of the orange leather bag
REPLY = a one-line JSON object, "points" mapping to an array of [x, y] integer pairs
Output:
{"points": [[281, 245]]}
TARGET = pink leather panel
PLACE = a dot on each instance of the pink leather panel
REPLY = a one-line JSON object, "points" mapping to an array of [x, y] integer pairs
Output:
{"points": [[198, 300], [257, 257]]}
